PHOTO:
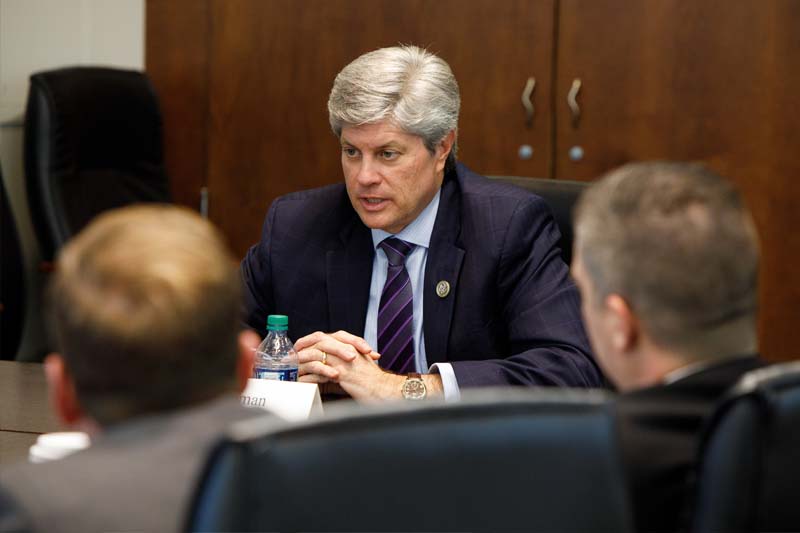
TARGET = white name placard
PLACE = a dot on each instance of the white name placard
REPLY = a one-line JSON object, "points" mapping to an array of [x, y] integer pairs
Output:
{"points": [[291, 400]]}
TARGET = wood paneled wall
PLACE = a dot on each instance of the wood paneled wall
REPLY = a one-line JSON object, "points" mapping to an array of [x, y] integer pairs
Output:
{"points": [[244, 84], [177, 40], [253, 77], [704, 80]]}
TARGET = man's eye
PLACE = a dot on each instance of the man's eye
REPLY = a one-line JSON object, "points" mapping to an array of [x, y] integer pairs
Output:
{"points": [[389, 154], [350, 152]]}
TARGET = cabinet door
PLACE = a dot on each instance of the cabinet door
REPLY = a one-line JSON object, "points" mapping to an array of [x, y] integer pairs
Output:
{"points": [[272, 64], [707, 80]]}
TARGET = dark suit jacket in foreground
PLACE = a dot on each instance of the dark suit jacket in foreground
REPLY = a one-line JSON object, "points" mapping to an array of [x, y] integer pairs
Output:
{"points": [[512, 315], [139, 476], [660, 429]]}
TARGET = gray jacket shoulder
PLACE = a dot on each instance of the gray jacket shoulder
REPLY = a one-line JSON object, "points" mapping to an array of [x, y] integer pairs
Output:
{"points": [[138, 477]]}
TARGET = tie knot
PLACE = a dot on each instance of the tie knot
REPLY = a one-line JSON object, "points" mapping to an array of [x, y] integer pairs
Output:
{"points": [[396, 250]]}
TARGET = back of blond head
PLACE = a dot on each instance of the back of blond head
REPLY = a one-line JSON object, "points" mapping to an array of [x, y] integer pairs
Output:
{"points": [[145, 308]]}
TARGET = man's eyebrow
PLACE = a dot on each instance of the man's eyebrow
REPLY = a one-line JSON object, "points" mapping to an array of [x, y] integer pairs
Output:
{"points": [[388, 144]]}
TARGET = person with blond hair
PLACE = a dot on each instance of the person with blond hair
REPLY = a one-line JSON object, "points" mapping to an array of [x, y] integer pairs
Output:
{"points": [[145, 310]]}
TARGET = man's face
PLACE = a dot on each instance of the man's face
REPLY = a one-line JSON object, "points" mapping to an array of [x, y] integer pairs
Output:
{"points": [[596, 320], [390, 175]]}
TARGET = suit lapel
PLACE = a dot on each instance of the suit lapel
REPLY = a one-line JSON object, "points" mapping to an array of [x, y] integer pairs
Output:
{"points": [[445, 258], [349, 272]]}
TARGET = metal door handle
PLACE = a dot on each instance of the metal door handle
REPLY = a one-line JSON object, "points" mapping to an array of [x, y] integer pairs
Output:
{"points": [[530, 85], [572, 101]]}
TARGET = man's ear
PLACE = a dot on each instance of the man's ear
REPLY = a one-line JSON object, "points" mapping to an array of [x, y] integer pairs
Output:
{"points": [[624, 326], [443, 150], [248, 342], [63, 398]]}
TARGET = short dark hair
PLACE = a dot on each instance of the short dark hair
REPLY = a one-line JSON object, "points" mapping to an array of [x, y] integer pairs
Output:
{"points": [[678, 244], [144, 307]]}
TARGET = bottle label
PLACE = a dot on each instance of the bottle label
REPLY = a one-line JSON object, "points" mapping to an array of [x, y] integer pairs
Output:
{"points": [[287, 374]]}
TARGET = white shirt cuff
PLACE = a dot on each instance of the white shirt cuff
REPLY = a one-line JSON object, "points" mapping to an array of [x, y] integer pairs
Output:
{"points": [[449, 382]]}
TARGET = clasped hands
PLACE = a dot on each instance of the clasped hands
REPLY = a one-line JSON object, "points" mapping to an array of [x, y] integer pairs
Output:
{"points": [[347, 361]]}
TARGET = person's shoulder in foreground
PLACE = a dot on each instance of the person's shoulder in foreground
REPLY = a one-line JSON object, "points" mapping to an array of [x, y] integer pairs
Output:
{"points": [[666, 258], [145, 309], [137, 476]]}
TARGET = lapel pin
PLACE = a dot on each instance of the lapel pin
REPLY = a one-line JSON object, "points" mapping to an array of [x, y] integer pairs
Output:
{"points": [[442, 289]]}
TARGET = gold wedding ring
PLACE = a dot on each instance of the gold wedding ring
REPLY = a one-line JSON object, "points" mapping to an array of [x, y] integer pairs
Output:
{"points": [[324, 358]]}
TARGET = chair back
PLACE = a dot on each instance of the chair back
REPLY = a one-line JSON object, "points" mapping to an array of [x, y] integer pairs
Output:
{"points": [[498, 460], [561, 196], [12, 279], [93, 141], [750, 460]]}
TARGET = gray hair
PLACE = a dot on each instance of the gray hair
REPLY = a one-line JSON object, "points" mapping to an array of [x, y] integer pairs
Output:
{"points": [[412, 87], [677, 243]]}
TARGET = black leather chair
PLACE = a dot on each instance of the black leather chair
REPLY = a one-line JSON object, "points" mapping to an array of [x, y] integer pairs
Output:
{"points": [[750, 464], [93, 141], [498, 460], [561, 196], [12, 279]]}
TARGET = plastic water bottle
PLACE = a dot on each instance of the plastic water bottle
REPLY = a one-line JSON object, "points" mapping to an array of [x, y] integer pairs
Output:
{"points": [[275, 356]]}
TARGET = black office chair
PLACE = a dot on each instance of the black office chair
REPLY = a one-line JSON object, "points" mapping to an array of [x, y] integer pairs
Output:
{"points": [[498, 460], [561, 196], [93, 141], [12, 279], [750, 463]]}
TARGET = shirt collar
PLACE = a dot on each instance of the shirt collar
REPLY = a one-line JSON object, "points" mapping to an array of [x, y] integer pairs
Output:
{"points": [[418, 232], [697, 367]]}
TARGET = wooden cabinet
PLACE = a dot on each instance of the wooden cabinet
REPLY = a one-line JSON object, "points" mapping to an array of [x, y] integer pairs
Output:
{"points": [[702, 80], [270, 67], [244, 86]]}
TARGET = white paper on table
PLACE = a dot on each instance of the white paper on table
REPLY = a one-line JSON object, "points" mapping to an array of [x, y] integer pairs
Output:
{"points": [[291, 400], [53, 446]]}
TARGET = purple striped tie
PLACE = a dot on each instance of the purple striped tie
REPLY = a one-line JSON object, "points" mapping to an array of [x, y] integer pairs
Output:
{"points": [[396, 310]]}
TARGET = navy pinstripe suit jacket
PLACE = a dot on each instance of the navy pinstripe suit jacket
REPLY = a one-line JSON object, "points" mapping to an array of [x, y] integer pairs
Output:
{"points": [[511, 317]]}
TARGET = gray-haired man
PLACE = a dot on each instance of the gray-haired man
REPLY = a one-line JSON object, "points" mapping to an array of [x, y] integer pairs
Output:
{"points": [[415, 257]]}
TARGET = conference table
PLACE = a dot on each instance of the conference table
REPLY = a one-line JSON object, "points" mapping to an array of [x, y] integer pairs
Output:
{"points": [[24, 409]]}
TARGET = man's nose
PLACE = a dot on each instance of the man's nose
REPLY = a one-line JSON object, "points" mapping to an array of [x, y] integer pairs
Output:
{"points": [[368, 172]]}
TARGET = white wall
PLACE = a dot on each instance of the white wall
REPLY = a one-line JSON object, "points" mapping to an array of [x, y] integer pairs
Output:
{"points": [[39, 35], [42, 34]]}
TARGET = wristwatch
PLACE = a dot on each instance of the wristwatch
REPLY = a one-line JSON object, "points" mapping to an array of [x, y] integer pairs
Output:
{"points": [[414, 387]]}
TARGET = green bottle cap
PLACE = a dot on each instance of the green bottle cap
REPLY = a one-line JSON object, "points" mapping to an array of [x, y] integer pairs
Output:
{"points": [[277, 323]]}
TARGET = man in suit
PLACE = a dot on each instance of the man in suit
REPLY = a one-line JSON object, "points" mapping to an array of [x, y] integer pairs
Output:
{"points": [[145, 307], [666, 259], [415, 257]]}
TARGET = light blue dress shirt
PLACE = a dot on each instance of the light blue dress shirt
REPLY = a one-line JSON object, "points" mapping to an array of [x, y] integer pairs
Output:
{"points": [[418, 233]]}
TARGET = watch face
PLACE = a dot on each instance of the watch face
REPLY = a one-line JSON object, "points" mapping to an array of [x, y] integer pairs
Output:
{"points": [[414, 389]]}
